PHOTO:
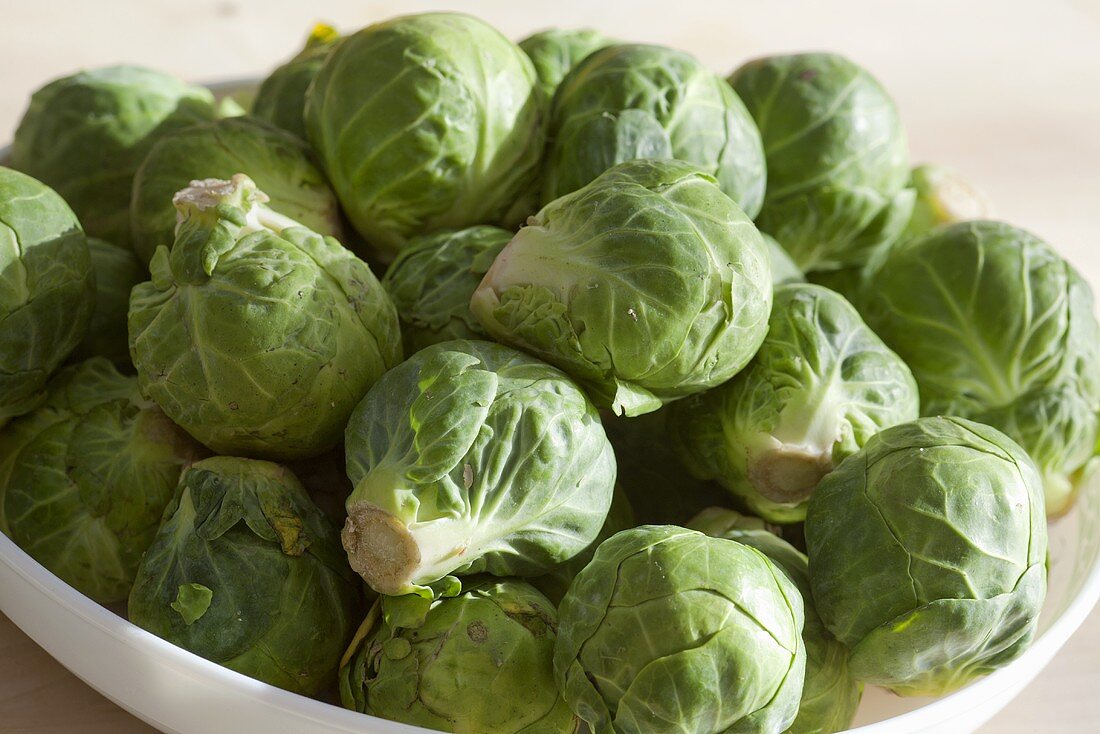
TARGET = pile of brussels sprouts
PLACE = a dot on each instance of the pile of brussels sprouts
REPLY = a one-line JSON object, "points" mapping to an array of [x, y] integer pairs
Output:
{"points": [[683, 404]]}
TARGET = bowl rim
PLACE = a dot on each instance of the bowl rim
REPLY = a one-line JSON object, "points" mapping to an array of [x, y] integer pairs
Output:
{"points": [[125, 632]]}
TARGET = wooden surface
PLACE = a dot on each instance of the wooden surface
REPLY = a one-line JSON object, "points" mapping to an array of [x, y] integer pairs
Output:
{"points": [[1006, 92]]}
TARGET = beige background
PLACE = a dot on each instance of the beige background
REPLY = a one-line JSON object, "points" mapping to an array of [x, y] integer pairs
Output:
{"points": [[1006, 92]]}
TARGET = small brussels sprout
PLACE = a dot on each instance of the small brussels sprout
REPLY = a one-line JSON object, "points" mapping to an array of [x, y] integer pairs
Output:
{"points": [[87, 477], [635, 101], [997, 328], [671, 631], [279, 163], [281, 98], [819, 387], [481, 661], [660, 488], [426, 122], [432, 280], [247, 572], [117, 271], [837, 157], [830, 696], [472, 457], [647, 285], [928, 554], [86, 134], [943, 197], [47, 289], [784, 271], [255, 334], [556, 582], [555, 51]]}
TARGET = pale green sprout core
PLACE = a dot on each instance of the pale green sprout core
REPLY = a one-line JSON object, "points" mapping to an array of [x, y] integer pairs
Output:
{"points": [[554, 52]]}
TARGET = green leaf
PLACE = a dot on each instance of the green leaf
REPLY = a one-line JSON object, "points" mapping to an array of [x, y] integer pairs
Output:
{"points": [[191, 602], [455, 397]]}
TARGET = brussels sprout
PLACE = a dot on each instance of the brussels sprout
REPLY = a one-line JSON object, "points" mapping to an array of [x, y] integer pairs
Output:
{"points": [[821, 385], [669, 630], [431, 283], [943, 197], [117, 271], [647, 285], [281, 98], [620, 517], [257, 335], [46, 289], [472, 457], [86, 134], [87, 477], [481, 661], [247, 572], [784, 271], [660, 488], [1000, 329], [426, 122], [280, 163], [836, 153], [634, 101], [830, 696], [928, 554], [555, 51]]}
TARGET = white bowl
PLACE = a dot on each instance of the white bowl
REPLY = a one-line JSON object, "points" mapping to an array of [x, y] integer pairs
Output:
{"points": [[176, 691]]}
